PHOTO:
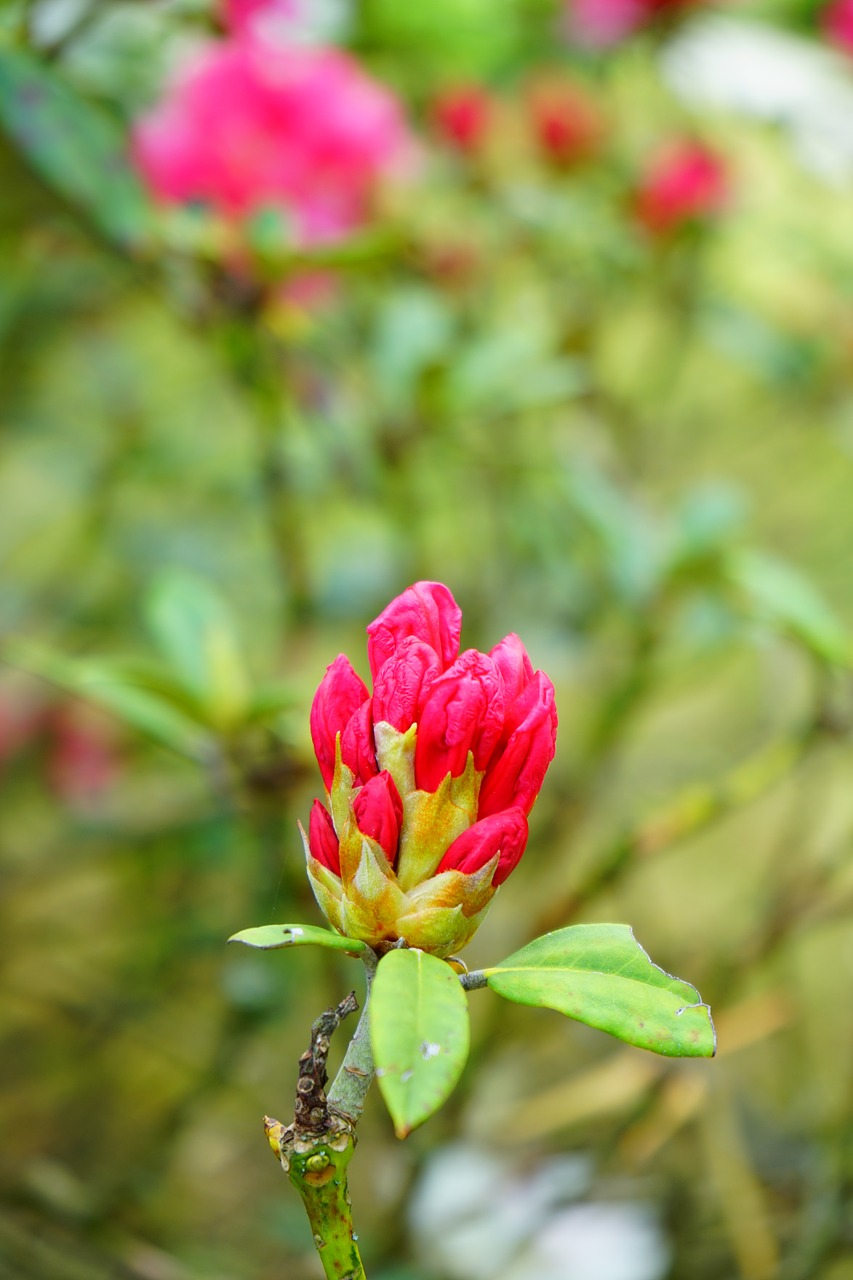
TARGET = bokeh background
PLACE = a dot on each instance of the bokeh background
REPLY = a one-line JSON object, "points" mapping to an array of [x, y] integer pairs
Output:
{"points": [[303, 300]]}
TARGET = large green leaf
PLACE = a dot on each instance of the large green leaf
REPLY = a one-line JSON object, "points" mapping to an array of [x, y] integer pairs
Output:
{"points": [[76, 147], [272, 937], [599, 974], [419, 1030]]}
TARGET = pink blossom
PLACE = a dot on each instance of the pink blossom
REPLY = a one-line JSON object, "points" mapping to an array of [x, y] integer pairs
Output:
{"points": [[686, 182], [565, 123], [249, 125], [600, 23], [462, 116], [270, 20], [837, 23]]}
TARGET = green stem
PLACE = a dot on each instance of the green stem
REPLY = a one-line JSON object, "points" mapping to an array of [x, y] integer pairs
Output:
{"points": [[347, 1094], [316, 1149], [317, 1168]]}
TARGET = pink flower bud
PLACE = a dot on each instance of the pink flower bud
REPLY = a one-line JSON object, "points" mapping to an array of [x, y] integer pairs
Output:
{"points": [[427, 611], [358, 751], [518, 768], [516, 669], [378, 812], [463, 712], [504, 833], [322, 840], [339, 697], [403, 682], [444, 762]]}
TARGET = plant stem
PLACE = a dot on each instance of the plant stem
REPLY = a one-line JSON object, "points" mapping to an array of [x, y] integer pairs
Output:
{"points": [[316, 1149], [347, 1094]]}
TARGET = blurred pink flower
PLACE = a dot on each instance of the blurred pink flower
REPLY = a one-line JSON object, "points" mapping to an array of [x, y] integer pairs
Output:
{"points": [[84, 759], [599, 23], [248, 125], [686, 182], [566, 124], [263, 19], [462, 116], [837, 22]]}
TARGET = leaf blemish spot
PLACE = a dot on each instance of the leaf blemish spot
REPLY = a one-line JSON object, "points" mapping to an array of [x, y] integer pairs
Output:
{"points": [[406, 1075]]}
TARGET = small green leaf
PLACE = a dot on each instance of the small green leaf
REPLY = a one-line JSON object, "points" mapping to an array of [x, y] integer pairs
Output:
{"points": [[78, 148], [781, 596], [116, 687], [272, 937], [195, 631], [420, 1035], [599, 974]]}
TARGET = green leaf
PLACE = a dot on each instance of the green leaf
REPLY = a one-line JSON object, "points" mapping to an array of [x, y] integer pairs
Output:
{"points": [[196, 634], [272, 937], [599, 974], [420, 1035], [76, 148], [787, 600], [110, 686]]}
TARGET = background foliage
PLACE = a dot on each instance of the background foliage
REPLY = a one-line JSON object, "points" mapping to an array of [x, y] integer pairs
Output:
{"points": [[631, 445]]}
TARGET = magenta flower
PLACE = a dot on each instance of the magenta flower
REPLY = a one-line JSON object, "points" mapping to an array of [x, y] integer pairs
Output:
{"points": [[462, 116], [430, 778], [837, 23], [249, 125], [564, 121], [601, 23], [685, 183], [270, 20]]}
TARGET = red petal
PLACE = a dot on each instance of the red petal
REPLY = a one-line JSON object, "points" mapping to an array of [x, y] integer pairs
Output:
{"points": [[504, 833], [426, 611], [322, 840]]}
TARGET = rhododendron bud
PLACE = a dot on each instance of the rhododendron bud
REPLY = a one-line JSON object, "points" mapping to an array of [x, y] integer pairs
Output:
{"points": [[322, 838], [464, 712], [462, 117], [403, 682], [521, 760], [685, 183], [502, 834], [416, 851], [516, 669], [837, 22], [426, 611], [339, 697], [357, 749], [378, 812]]}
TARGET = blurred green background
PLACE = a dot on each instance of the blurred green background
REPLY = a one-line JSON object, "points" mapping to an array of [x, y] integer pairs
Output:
{"points": [[631, 443]]}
